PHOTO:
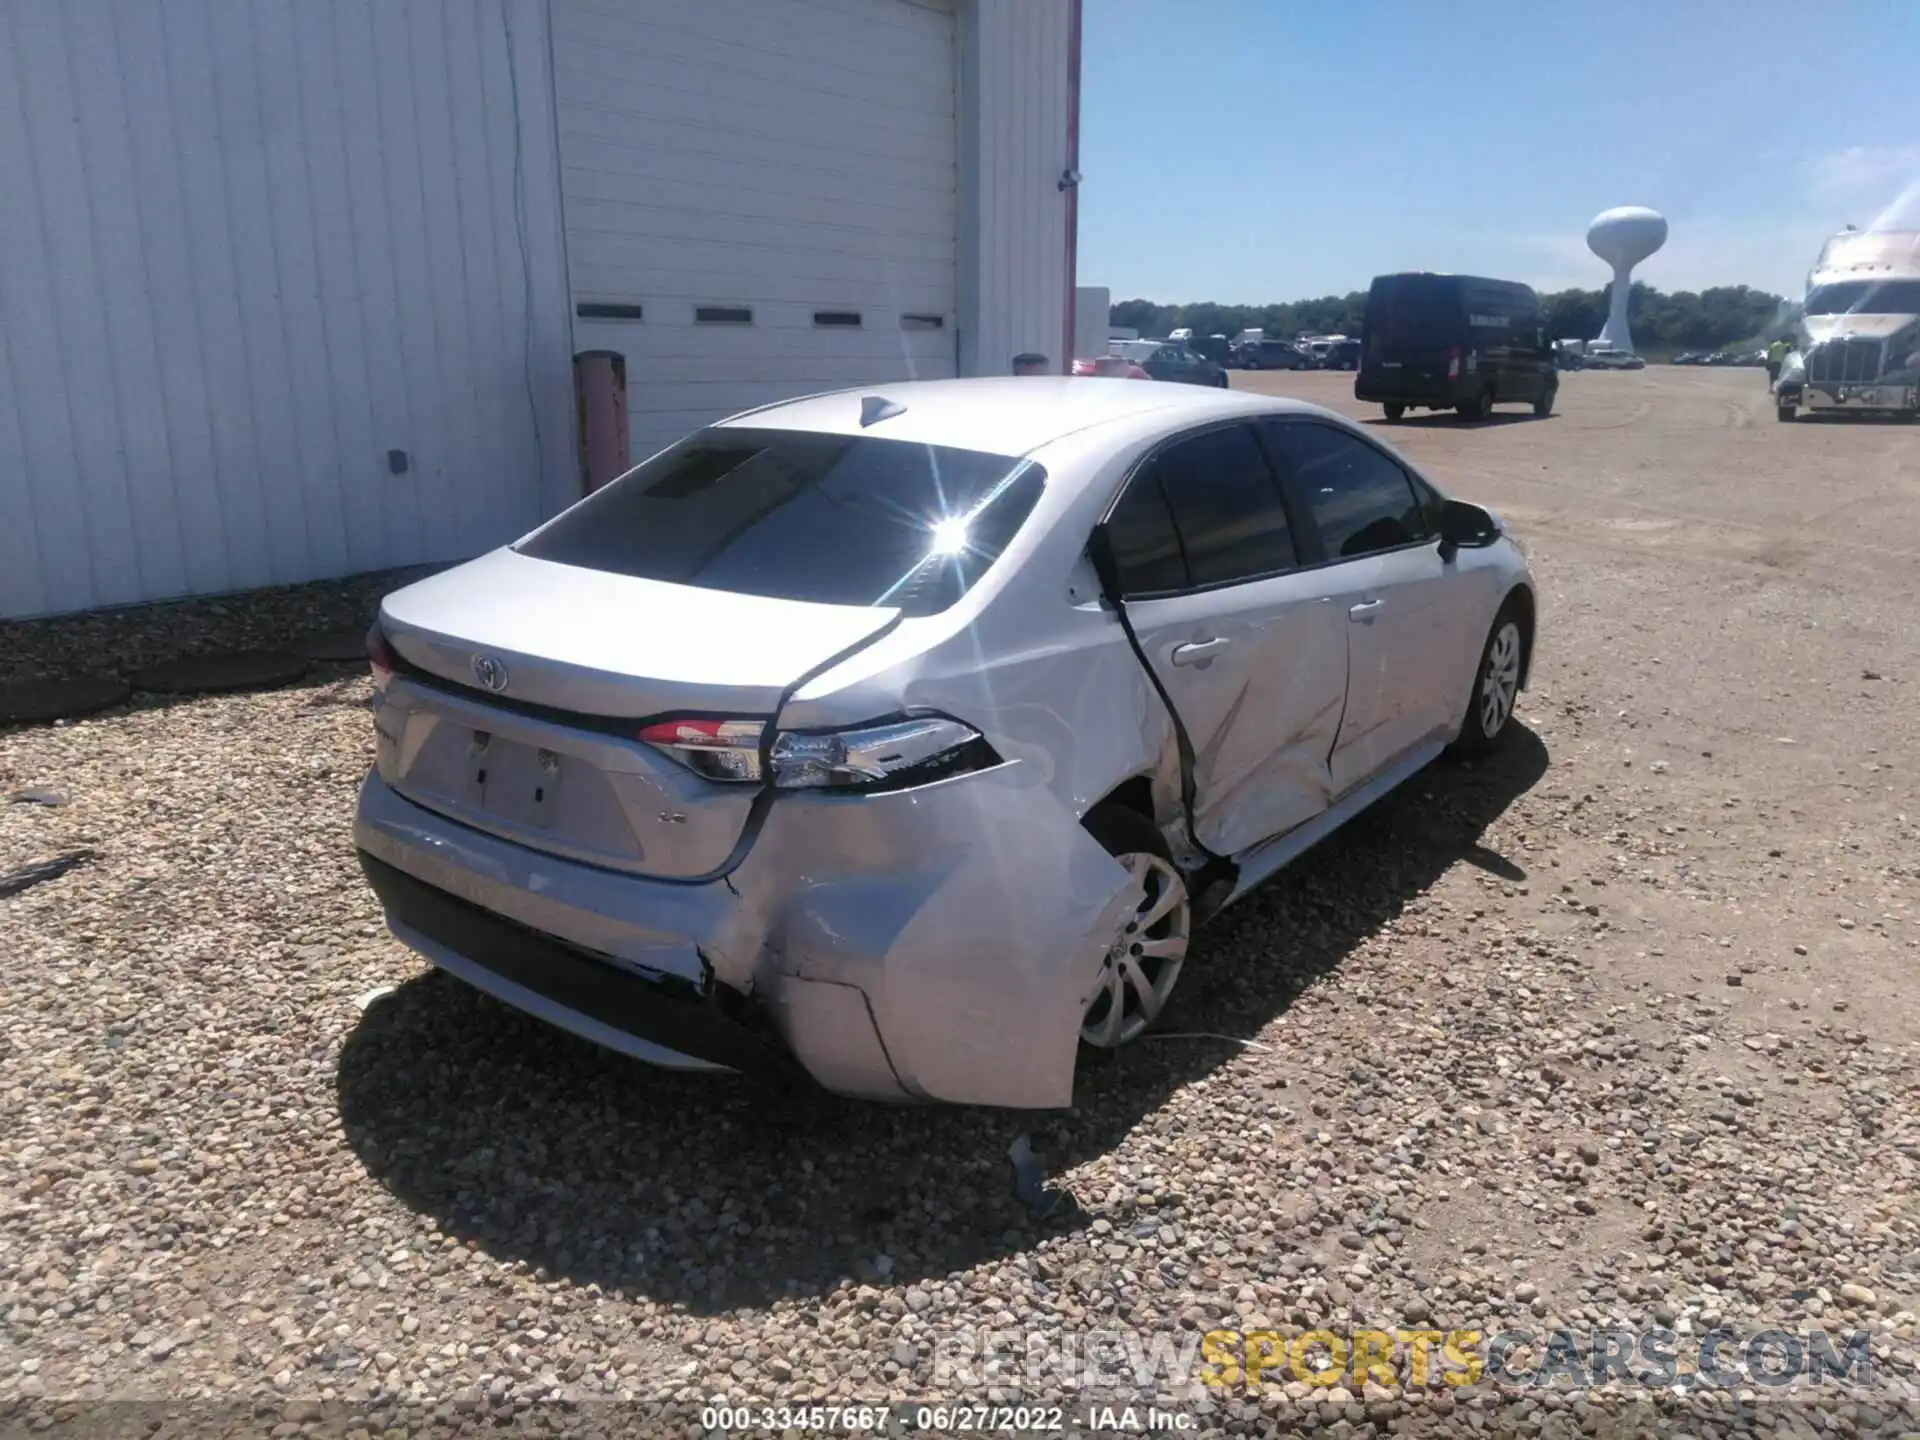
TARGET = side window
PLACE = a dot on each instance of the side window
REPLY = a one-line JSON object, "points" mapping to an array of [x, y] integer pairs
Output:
{"points": [[1226, 506], [1430, 503], [1361, 501], [1146, 547]]}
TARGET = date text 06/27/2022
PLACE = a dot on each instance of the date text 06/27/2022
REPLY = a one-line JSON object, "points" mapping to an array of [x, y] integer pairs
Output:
{"points": [[948, 1419]]}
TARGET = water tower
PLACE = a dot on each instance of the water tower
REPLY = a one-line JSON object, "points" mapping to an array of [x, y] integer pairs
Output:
{"points": [[1623, 238]]}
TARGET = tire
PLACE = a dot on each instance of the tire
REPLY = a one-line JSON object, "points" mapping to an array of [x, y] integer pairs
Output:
{"points": [[1476, 410], [1394, 409], [1137, 982], [1543, 407], [1786, 414], [1488, 719]]}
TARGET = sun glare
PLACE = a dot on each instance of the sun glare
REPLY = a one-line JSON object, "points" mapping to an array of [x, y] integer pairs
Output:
{"points": [[950, 536]]}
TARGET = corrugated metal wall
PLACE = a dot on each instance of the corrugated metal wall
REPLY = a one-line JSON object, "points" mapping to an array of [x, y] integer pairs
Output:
{"points": [[1013, 150], [248, 247]]}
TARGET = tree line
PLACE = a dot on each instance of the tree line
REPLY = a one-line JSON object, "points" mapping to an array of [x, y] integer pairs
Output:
{"points": [[1711, 319]]}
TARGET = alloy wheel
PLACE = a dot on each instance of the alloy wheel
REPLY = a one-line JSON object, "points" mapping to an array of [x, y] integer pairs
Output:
{"points": [[1143, 962], [1500, 679]]}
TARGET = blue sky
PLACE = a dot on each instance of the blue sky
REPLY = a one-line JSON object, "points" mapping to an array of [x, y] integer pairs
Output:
{"points": [[1266, 150]]}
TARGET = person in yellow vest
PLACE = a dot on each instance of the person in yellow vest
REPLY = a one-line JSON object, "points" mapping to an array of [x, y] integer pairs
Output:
{"points": [[1777, 354]]}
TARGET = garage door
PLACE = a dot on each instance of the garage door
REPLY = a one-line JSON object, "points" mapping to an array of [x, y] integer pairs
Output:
{"points": [[760, 197]]}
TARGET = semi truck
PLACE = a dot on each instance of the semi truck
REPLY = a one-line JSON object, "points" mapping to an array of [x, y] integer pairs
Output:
{"points": [[1856, 345]]}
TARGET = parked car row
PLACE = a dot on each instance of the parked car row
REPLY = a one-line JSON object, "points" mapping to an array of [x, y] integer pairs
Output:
{"points": [[1611, 357], [1252, 351], [1173, 360], [1320, 352], [1721, 357], [1269, 355]]}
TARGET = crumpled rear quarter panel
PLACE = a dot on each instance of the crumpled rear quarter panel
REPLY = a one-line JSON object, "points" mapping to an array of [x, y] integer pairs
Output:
{"points": [[971, 913]]}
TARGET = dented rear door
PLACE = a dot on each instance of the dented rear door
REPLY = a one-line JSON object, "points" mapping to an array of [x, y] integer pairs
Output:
{"points": [[1250, 650]]}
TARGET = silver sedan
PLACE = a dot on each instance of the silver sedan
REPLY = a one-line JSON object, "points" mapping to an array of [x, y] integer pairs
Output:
{"points": [[898, 739]]}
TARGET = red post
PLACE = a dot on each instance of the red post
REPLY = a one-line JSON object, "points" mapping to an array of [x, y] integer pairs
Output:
{"points": [[600, 381]]}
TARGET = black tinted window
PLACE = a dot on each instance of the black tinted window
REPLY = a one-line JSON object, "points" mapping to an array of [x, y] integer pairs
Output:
{"points": [[1146, 547], [1414, 310], [1429, 501], [1226, 506], [838, 519], [1360, 500]]}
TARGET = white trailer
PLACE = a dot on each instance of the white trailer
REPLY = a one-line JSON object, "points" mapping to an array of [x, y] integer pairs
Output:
{"points": [[1092, 309]]}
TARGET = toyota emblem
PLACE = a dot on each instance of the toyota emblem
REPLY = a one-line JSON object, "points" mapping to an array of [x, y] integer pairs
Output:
{"points": [[490, 672]]}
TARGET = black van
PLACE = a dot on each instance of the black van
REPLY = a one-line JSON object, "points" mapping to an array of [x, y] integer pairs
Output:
{"points": [[1454, 342]]}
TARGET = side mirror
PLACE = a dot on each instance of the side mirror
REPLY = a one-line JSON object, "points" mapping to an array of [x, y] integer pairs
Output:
{"points": [[1465, 526]]}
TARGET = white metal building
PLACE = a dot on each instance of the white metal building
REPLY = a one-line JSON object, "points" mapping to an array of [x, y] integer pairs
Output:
{"points": [[290, 289]]}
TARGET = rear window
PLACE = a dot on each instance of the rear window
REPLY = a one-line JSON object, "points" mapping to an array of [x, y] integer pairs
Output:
{"points": [[1413, 310], [834, 519]]}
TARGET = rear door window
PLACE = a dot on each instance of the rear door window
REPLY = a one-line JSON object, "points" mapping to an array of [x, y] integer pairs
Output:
{"points": [[1145, 545], [1361, 501], [1226, 506], [795, 515]]}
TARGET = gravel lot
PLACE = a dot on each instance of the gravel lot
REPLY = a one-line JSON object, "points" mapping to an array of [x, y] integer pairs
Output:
{"points": [[1615, 1028]]}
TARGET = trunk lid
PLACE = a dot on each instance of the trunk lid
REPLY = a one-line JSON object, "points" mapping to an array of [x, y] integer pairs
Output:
{"points": [[524, 683]]}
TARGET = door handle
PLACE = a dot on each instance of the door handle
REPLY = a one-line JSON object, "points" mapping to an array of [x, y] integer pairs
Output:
{"points": [[1199, 652], [1365, 611]]}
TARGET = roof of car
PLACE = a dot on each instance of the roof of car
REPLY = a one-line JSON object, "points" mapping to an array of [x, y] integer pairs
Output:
{"points": [[1010, 415]]}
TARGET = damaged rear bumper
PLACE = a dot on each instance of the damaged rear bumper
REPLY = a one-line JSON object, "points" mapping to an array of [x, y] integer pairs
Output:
{"points": [[939, 943], [648, 1016]]}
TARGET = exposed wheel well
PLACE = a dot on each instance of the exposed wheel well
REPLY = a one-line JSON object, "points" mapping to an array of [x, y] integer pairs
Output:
{"points": [[1520, 599], [1135, 795]]}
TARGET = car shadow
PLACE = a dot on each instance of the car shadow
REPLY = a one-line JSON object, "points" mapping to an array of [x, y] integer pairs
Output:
{"points": [[1450, 420], [1841, 417], [550, 1152]]}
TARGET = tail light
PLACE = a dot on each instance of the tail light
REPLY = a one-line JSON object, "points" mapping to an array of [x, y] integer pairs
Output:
{"points": [[380, 658], [887, 756], [1453, 362]]}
